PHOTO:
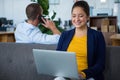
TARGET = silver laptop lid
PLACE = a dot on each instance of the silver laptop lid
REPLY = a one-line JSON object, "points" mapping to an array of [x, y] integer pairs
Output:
{"points": [[56, 63]]}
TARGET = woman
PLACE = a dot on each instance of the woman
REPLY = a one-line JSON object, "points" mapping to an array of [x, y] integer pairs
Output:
{"points": [[88, 44]]}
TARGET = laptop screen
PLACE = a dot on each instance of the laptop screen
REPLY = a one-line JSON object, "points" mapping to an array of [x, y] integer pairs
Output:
{"points": [[56, 63]]}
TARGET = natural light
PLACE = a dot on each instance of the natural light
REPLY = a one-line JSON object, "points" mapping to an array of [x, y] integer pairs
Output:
{"points": [[103, 1]]}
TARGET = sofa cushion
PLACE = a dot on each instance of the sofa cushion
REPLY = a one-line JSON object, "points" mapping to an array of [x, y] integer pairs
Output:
{"points": [[17, 62], [112, 69]]}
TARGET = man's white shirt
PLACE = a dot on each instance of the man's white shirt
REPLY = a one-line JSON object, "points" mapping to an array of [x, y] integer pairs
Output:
{"points": [[27, 33]]}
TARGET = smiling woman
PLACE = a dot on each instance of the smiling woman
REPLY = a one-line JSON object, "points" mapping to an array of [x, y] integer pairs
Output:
{"points": [[88, 44]]}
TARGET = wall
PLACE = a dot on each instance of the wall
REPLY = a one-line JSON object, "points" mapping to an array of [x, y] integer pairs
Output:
{"points": [[63, 9], [1, 8], [15, 9]]}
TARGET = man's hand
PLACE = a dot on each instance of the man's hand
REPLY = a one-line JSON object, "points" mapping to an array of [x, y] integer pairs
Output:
{"points": [[50, 25]]}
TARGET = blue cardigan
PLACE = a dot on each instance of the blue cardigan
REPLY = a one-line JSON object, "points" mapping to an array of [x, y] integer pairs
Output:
{"points": [[95, 50]]}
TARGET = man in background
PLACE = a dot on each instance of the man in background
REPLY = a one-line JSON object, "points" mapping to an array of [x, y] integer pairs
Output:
{"points": [[28, 31]]}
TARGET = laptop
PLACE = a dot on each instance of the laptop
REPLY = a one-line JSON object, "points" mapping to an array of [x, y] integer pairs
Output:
{"points": [[56, 63]]}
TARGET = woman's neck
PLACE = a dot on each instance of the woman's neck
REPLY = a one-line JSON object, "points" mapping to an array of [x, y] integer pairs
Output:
{"points": [[81, 31]]}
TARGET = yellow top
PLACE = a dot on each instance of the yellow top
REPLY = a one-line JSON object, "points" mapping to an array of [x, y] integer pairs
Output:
{"points": [[79, 46]]}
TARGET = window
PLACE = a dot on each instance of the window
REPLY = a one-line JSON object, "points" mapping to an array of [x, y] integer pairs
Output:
{"points": [[103, 1]]}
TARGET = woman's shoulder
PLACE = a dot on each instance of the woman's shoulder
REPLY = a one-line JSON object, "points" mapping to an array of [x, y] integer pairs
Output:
{"points": [[94, 31], [68, 31]]}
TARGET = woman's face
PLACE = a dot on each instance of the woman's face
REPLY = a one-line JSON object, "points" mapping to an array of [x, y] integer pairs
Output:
{"points": [[79, 17]]}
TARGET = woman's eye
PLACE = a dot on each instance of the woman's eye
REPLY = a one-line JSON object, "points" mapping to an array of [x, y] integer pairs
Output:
{"points": [[73, 16], [81, 16]]}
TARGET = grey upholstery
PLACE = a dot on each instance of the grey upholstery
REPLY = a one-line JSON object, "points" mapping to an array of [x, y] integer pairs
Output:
{"points": [[112, 71], [17, 63]]}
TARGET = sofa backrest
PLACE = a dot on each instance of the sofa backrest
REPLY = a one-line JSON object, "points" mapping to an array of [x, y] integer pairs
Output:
{"points": [[112, 69], [17, 62]]}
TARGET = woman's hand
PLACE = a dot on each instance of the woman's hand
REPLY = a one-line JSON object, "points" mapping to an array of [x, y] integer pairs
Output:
{"points": [[82, 75]]}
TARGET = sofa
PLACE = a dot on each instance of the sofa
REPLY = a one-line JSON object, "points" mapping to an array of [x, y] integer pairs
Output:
{"points": [[17, 62]]}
